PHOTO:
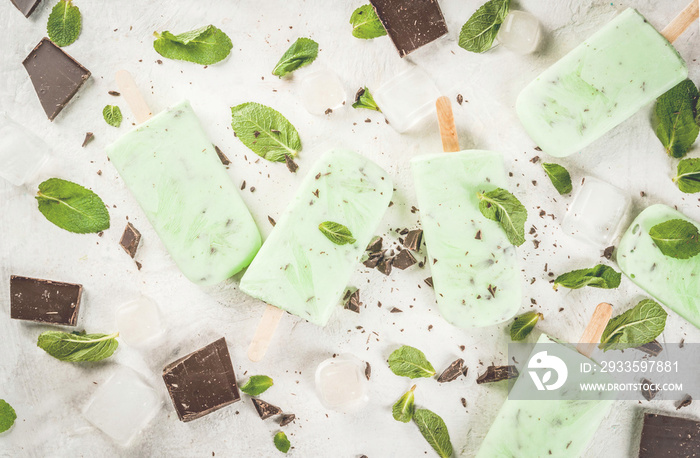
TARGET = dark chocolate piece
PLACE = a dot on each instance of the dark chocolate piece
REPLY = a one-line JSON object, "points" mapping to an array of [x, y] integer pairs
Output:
{"points": [[352, 300], [452, 372], [384, 266], [26, 7], [411, 25], [44, 301], [649, 393], [56, 76], [375, 246], [403, 260], [652, 348], [222, 157], [429, 281], [130, 239], [685, 402], [287, 418], [669, 437], [608, 252], [413, 239], [202, 382], [373, 260], [265, 409], [497, 374]]}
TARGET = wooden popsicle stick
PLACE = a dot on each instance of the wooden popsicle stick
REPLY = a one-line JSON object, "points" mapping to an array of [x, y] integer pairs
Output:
{"points": [[591, 335], [448, 131], [130, 91], [263, 335], [681, 22]]}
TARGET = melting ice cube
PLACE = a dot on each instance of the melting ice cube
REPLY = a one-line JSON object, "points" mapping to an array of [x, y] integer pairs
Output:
{"points": [[341, 383], [520, 32]]}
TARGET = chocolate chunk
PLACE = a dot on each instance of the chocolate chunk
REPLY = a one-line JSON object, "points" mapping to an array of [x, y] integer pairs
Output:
{"points": [[669, 437], [429, 281], [265, 409], [649, 392], [411, 25], [287, 418], [291, 165], [497, 374], [652, 348], [56, 76], [413, 239], [27, 7], [403, 260], [384, 266], [375, 246], [130, 239], [222, 157], [202, 382], [608, 252], [88, 138], [368, 371], [452, 372], [373, 260], [44, 301], [685, 402], [352, 300]]}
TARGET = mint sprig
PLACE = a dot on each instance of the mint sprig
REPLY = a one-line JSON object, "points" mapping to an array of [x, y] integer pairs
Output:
{"points": [[257, 385], [336, 233], [479, 32], [363, 99], [265, 131], [366, 24], [410, 362], [688, 176], [503, 207], [404, 408], [523, 325], [72, 207], [281, 442], [559, 176], [600, 276], [301, 53], [7, 416], [673, 119], [637, 326], [676, 238], [434, 430], [205, 46], [78, 347], [112, 115], [64, 23]]}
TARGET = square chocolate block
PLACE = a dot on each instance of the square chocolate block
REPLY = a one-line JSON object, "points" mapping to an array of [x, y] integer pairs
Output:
{"points": [[27, 7], [202, 381], [56, 76], [130, 239], [44, 301], [411, 24], [669, 437]]}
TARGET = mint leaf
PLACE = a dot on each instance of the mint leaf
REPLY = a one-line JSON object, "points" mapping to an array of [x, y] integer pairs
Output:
{"points": [[366, 23], [673, 118], [676, 238], [434, 431], [480, 30], [363, 99], [559, 176], [207, 45], [599, 276], [410, 362], [404, 408], [281, 442], [7, 416], [77, 347], [265, 131], [336, 233], [501, 206], [523, 325], [256, 385], [635, 327], [302, 52], [64, 23], [72, 207], [112, 115], [688, 176]]}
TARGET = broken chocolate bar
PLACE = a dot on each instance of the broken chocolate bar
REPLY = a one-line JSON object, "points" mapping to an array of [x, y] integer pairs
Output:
{"points": [[403, 260], [413, 239], [669, 437], [411, 25], [497, 374], [130, 239], [56, 76], [44, 301], [265, 409], [202, 382], [452, 372], [27, 7]]}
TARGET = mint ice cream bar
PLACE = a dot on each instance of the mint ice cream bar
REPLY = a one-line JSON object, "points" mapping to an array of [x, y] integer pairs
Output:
{"points": [[673, 282], [475, 269], [175, 175], [299, 269], [599, 84]]}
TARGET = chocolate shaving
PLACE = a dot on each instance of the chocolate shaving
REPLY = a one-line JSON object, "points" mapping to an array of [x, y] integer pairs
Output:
{"points": [[492, 290], [396, 310], [89, 136], [272, 221], [368, 371], [497, 374], [685, 402], [608, 252], [265, 409], [222, 157], [114, 93], [452, 372]]}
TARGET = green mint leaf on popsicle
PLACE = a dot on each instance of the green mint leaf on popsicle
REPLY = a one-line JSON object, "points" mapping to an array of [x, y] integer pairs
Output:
{"points": [[404, 408], [366, 23], [302, 52], [480, 30], [363, 99], [78, 347], [7, 416], [265, 131], [256, 385], [637, 326], [410, 362], [673, 119], [336, 233], [64, 23], [559, 176], [112, 115], [688, 176], [72, 207], [501, 206], [523, 325], [676, 238], [281, 442], [434, 431], [205, 46], [600, 276]]}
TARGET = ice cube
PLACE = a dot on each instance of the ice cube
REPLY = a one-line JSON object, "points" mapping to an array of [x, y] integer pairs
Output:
{"points": [[139, 322], [123, 406], [341, 383], [407, 98], [597, 213], [520, 32], [22, 153], [322, 91]]}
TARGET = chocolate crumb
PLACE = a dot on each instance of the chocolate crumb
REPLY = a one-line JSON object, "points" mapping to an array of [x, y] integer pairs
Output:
{"points": [[685, 402], [453, 371], [252, 189], [222, 157], [464, 402], [328, 111], [535, 160], [88, 138], [396, 310], [114, 93], [460, 98], [243, 185], [537, 148], [368, 371], [478, 235], [492, 290], [287, 418], [429, 281], [138, 265], [291, 165], [272, 221], [608, 252]]}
